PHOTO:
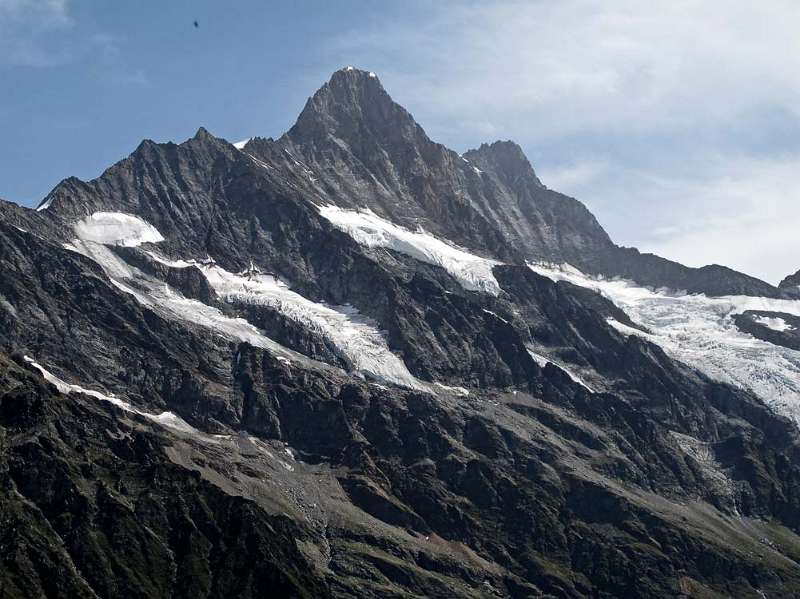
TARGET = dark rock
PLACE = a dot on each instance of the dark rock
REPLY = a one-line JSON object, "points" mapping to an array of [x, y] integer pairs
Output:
{"points": [[638, 478], [751, 321], [791, 284]]}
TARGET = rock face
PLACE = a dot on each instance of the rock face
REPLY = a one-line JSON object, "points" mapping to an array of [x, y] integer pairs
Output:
{"points": [[361, 149], [791, 284], [319, 366], [777, 328]]}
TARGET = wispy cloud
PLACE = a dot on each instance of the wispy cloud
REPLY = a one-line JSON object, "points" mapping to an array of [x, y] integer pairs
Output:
{"points": [[574, 175], [26, 27], [44, 33], [575, 65], [45, 13], [737, 210], [679, 122], [745, 214]]}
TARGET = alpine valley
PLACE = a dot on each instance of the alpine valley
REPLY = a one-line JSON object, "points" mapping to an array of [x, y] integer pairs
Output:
{"points": [[350, 362]]}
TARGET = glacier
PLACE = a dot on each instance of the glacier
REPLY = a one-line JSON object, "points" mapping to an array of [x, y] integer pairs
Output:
{"points": [[93, 236], [116, 228], [356, 337], [700, 331], [474, 273], [360, 343]]}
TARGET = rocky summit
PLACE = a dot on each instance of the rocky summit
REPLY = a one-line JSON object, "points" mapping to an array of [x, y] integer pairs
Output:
{"points": [[351, 362]]}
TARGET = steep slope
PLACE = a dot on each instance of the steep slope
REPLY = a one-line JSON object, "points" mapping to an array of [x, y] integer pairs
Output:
{"points": [[727, 337], [791, 284], [323, 366], [359, 149], [353, 146], [93, 507]]}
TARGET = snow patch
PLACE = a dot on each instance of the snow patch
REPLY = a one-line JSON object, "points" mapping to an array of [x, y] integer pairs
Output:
{"points": [[115, 228], [776, 323], [540, 360], [242, 443], [155, 294], [46, 205], [165, 419], [460, 391], [356, 337], [241, 144], [543, 361], [496, 315], [700, 331], [367, 228]]}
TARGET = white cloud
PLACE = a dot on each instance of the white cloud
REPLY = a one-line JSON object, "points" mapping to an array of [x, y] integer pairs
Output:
{"points": [[550, 68], [574, 175], [47, 12], [672, 120], [739, 211], [25, 29], [43, 33], [745, 215]]}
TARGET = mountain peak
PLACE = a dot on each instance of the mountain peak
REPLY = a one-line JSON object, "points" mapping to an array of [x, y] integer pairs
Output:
{"points": [[203, 133], [351, 103], [354, 73], [791, 282], [504, 158]]}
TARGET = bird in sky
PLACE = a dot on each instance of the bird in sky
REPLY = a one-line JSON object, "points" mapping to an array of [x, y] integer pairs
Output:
{"points": [[196, 25]]}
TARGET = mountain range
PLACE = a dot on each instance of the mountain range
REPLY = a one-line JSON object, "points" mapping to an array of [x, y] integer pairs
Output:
{"points": [[351, 362]]}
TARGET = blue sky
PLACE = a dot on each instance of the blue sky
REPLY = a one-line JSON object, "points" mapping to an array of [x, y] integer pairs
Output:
{"points": [[679, 126]]}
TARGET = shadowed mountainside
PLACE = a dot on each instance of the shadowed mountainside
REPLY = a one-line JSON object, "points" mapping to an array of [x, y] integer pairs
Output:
{"points": [[209, 387]]}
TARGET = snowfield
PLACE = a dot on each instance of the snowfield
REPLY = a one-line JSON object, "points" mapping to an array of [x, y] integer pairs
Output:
{"points": [[92, 241], [543, 361], [356, 337], [166, 419], [115, 228], [775, 323], [700, 331], [367, 228]]}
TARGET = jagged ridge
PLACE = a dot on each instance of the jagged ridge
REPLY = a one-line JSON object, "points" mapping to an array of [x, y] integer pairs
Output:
{"points": [[578, 461]]}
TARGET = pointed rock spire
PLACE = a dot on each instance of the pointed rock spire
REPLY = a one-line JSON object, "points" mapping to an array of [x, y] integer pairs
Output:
{"points": [[351, 104], [504, 158]]}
